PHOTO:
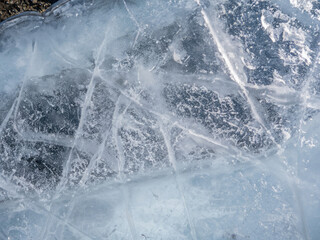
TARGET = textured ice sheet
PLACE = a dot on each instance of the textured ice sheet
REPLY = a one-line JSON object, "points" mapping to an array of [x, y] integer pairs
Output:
{"points": [[161, 120]]}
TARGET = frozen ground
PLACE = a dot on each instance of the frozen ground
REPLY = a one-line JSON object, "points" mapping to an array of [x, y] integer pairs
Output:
{"points": [[127, 119]]}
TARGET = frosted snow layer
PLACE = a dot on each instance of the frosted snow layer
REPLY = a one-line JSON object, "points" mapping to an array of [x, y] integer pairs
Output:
{"points": [[161, 120]]}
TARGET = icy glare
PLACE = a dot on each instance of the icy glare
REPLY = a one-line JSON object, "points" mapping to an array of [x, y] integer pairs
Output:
{"points": [[126, 119]]}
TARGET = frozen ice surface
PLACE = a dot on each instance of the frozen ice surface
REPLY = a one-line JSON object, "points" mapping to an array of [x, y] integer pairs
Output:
{"points": [[124, 119]]}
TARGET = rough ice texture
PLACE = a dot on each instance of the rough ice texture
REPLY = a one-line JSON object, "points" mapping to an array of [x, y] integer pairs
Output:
{"points": [[161, 120]]}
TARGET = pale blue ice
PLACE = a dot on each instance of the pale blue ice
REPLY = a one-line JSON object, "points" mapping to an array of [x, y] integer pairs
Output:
{"points": [[151, 119]]}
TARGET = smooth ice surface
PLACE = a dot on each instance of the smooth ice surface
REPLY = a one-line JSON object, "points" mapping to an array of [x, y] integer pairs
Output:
{"points": [[125, 119]]}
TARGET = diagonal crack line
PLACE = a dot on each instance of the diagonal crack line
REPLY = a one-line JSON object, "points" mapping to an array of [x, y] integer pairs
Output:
{"points": [[7, 118], [172, 159], [232, 69], [134, 20], [116, 121], [150, 110], [61, 220], [99, 59]]}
